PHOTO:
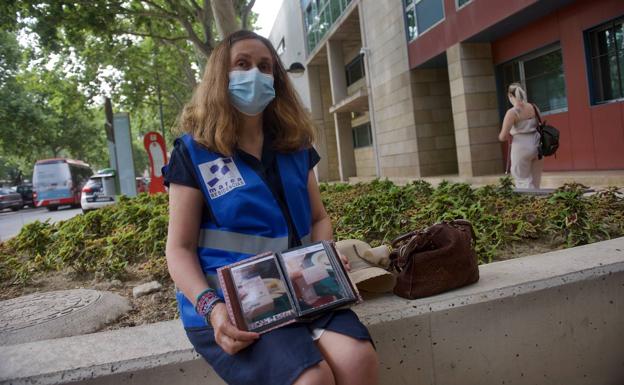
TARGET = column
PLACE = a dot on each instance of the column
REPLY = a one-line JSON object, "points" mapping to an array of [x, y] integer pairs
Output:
{"points": [[342, 121], [475, 109]]}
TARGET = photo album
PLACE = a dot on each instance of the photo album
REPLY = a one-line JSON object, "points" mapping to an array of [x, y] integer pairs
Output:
{"points": [[271, 289]]}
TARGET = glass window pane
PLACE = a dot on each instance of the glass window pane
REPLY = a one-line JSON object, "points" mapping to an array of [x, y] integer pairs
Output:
{"points": [[362, 136], [619, 37], [621, 64], [615, 76], [547, 91], [545, 82], [606, 78], [411, 23], [335, 10], [601, 79], [607, 48], [428, 12], [461, 2], [551, 62]]}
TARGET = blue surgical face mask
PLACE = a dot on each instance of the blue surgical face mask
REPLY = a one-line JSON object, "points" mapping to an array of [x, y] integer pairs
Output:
{"points": [[251, 91]]}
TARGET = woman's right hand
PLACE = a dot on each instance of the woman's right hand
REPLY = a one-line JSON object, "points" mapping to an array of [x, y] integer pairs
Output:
{"points": [[229, 338]]}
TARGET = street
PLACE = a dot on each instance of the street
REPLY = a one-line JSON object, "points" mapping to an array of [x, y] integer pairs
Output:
{"points": [[11, 222]]}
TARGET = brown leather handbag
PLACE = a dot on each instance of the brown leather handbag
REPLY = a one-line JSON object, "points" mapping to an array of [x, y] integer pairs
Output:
{"points": [[434, 260]]}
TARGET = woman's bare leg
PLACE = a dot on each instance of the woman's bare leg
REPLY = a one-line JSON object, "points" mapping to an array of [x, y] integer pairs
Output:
{"points": [[352, 361]]}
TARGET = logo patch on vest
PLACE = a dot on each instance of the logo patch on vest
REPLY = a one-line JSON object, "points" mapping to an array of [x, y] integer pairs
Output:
{"points": [[221, 176]]}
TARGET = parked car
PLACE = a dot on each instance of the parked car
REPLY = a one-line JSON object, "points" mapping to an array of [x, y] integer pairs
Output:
{"points": [[26, 191], [10, 199], [99, 191]]}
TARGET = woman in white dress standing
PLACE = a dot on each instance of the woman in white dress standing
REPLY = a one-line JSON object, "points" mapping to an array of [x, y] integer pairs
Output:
{"points": [[520, 124]]}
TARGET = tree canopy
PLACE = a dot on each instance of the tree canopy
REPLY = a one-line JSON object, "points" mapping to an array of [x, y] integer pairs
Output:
{"points": [[143, 54]]}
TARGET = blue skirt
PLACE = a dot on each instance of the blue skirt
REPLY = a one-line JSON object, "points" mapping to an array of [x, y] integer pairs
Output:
{"points": [[277, 357]]}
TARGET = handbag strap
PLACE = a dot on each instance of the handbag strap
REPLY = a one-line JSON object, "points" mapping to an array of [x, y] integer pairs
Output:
{"points": [[396, 241], [537, 115], [399, 257]]}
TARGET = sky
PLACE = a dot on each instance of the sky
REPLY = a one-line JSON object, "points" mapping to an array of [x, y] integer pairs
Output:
{"points": [[267, 12]]}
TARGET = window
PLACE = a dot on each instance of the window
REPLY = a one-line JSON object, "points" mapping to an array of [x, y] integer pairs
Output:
{"points": [[461, 3], [420, 15], [281, 47], [319, 17], [362, 136], [606, 50], [355, 69], [541, 74]]}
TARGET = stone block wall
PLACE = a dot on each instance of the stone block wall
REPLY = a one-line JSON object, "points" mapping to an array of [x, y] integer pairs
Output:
{"points": [[434, 121], [397, 144], [365, 161], [475, 109], [321, 100]]}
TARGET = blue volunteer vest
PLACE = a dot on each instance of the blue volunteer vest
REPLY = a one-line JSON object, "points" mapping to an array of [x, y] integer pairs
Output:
{"points": [[247, 217]]}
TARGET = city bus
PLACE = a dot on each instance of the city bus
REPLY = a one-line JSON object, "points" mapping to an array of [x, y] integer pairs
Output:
{"points": [[58, 182]]}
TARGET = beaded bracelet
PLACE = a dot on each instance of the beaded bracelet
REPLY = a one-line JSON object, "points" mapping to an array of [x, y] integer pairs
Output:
{"points": [[206, 301]]}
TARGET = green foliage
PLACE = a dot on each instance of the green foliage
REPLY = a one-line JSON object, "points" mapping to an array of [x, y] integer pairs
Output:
{"points": [[43, 112], [380, 211], [573, 218], [134, 231], [103, 241]]}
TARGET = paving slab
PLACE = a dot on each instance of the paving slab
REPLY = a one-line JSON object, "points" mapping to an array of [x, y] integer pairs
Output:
{"points": [[56, 314]]}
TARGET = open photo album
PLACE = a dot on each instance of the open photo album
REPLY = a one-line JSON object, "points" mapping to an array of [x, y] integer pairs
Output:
{"points": [[271, 289]]}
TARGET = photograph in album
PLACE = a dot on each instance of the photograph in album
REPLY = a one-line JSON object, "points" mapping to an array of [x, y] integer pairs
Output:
{"points": [[271, 289]]}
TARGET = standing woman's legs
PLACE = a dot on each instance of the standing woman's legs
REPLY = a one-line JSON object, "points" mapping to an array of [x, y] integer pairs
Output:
{"points": [[523, 152], [352, 361], [537, 165], [536, 172]]}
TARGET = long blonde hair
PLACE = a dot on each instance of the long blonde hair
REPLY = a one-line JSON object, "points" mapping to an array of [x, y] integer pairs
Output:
{"points": [[213, 121]]}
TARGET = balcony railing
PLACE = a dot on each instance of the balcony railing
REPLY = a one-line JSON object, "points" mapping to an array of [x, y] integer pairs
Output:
{"points": [[320, 15]]}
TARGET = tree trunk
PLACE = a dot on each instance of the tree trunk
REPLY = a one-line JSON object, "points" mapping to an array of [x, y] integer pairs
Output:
{"points": [[225, 16]]}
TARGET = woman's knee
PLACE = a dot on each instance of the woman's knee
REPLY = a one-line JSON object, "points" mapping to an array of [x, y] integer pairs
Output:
{"points": [[352, 361], [364, 356], [320, 374]]}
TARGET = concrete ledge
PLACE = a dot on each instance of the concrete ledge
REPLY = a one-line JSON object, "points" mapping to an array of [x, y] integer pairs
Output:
{"points": [[555, 318]]}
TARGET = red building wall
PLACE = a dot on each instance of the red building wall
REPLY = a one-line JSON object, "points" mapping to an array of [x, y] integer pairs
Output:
{"points": [[458, 25], [592, 137]]}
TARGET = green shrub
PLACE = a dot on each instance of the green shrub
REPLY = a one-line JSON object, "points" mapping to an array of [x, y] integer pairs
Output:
{"points": [[106, 242], [103, 241]]}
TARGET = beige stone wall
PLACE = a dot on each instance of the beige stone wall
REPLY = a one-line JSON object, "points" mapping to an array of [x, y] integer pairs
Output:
{"points": [[475, 109], [353, 88], [364, 156], [365, 161], [330, 130], [397, 144], [434, 121], [321, 100], [349, 53]]}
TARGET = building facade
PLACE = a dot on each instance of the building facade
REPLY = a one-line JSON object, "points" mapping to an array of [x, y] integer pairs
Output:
{"points": [[417, 88]]}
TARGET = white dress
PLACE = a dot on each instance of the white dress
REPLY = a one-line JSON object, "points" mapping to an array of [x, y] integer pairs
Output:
{"points": [[526, 168]]}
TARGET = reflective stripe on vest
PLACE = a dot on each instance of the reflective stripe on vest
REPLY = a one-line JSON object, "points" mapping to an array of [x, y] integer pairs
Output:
{"points": [[240, 243], [243, 243], [247, 218]]}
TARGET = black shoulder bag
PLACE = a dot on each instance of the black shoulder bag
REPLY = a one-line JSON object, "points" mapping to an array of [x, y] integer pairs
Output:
{"points": [[549, 137]]}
